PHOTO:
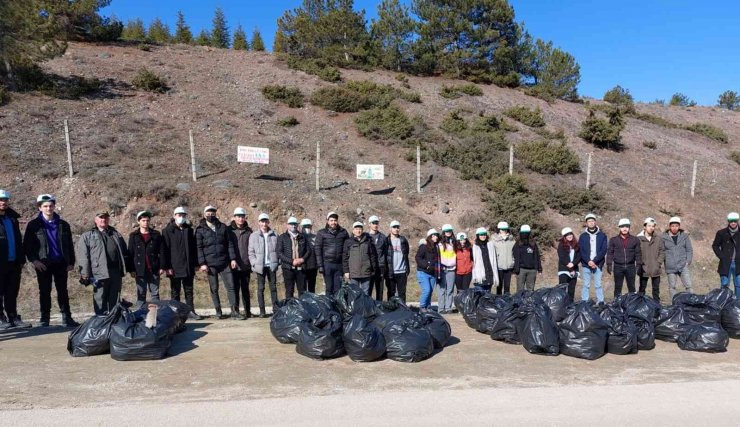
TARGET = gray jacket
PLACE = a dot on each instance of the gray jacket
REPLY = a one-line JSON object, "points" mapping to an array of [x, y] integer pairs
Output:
{"points": [[91, 257], [257, 251], [504, 251], [679, 254]]}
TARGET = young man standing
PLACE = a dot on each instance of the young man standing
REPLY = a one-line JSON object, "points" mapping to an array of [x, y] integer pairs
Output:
{"points": [[328, 249], [312, 268], [241, 232], [594, 245], [678, 255], [48, 246], [381, 247], [623, 256], [726, 246], [292, 251], [653, 258], [146, 248], [398, 262], [181, 258], [527, 260], [264, 260]]}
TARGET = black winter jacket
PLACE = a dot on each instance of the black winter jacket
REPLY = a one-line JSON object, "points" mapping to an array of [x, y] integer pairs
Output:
{"points": [[215, 248], [623, 253], [310, 261], [36, 244], [20, 257], [329, 245], [521, 252], [428, 260], [241, 246], [380, 241], [564, 258], [180, 253], [284, 249], [723, 246], [360, 257], [139, 252], [405, 250]]}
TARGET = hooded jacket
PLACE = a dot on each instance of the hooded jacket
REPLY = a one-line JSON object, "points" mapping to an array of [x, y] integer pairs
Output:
{"points": [[679, 254], [602, 244], [36, 244], [20, 257], [653, 255], [241, 245], [529, 250], [330, 245], [504, 251], [215, 248], [360, 257], [725, 245], [181, 252]]}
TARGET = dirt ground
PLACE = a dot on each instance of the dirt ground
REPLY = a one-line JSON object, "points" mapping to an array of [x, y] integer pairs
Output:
{"points": [[238, 368]]}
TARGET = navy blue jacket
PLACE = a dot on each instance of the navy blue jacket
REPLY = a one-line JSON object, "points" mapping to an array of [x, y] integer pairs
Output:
{"points": [[584, 241]]}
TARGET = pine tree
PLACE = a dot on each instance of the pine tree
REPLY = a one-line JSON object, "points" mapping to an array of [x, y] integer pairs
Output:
{"points": [[203, 39], [258, 45], [240, 39], [392, 33], [182, 30], [556, 72], [729, 99], [159, 32], [220, 32], [134, 30]]}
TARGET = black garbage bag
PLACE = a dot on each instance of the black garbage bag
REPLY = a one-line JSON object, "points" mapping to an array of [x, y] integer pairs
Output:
{"points": [[673, 322], [363, 341], [719, 298], [583, 333], [623, 334], [697, 308], [351, 300], [538, 331], [408, 341], [507, 324], [182, 310], [556, 299], [684, 298], [489, 307], [438, 327], [318, 308], [130, 339], [731, 319], [640, 305], [285, 323], [466, 302], [321, 339], [645, 333], [173, 324], [395, 303], [92, 337], [708, 338], [397, 316]]}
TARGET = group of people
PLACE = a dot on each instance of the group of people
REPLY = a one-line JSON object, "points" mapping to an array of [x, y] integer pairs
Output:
{"points": [[376, 262]]}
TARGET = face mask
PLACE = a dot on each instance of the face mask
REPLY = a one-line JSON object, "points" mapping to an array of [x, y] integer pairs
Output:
{"points": [[292, 228], [211, 219], [180, 220]]}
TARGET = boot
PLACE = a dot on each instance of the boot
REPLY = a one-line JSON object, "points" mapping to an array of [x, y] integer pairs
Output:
{"points": [[68, 321], [18, 323], [3, 324], [262, 313], [194, 316], [236, 315], [44, 321]]}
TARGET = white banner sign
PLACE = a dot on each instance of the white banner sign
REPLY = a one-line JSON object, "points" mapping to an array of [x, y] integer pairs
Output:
{"points": [[253, 155], [370, 172]]}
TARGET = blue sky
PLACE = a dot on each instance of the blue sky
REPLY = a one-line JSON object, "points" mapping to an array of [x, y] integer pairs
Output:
{"points": [[654, 48]]}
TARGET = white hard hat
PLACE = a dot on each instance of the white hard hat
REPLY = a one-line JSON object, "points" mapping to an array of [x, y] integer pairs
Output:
{"points": [[4, 194], [733, 216], [306, 222], [648, 220], [590, 216], [240, 211], [209, 208], [331, 214], [395, 223], [447, 227], [45, 198], [565, 231], [263, 216], [674, 220], [432, 231], [292, 220], [180, 210], [462, 236], [358, 224], [481, 230], [525, 229], [503, 225], [373, 219], [624, 222], [143, 213]]}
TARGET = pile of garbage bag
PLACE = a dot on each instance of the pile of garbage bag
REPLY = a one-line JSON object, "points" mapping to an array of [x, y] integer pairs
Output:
{"points": [[130, 335], [352, 323], [546, 322]]}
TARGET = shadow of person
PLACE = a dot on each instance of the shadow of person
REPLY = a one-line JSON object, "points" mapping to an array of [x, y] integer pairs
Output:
{"points": [[17, 333]]}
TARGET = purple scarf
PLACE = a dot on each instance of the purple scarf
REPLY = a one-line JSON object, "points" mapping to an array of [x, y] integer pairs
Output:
{"points": [[52, 234]]}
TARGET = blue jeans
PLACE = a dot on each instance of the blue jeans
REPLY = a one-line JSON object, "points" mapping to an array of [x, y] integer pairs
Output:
{"points": [[426, 283], [734, 276], [587, 275]]}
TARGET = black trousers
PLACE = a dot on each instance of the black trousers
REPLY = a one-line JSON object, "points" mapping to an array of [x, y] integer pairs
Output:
{"points": [[56, 273], [311, 280], [571, 281], [504, 281], [177, 284], [332, 277], [225, 275], [397, 286], [462, 281], [377, 283], [655, 284], [241, 287], [622, 273], [294, 278], [272, 278], [10, 285]]}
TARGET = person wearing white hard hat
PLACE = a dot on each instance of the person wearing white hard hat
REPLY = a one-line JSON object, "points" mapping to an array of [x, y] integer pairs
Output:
{"points": [[398, 262], [12, 259], [504, 243], [102, 257], [527, 260], [264, 260], [48, 245], [360, 258], [653, 258], [448, 246], [726, 246], [623, 255], [428, 268], [146, 260], [464, 264], [329, 251], [485, 261], [569, 255], [311, 267], [241, 232], [292, 252], [593, 244], [216, 257], [181, 258], [679, 253], [380, 241]]}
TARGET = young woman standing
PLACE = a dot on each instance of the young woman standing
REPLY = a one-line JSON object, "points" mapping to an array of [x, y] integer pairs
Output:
{"points": [[568, 255], [485, 267], [428, 268], [464, 253]]}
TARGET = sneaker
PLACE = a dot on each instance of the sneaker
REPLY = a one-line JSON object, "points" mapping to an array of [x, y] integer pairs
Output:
{"points": [[43, 324], [194, 316], [69, 322], [18, 323], [4, 325]]}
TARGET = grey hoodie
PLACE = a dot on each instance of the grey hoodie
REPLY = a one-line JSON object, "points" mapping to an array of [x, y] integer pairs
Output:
{"points": [[504, 251], [679, 254]]}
